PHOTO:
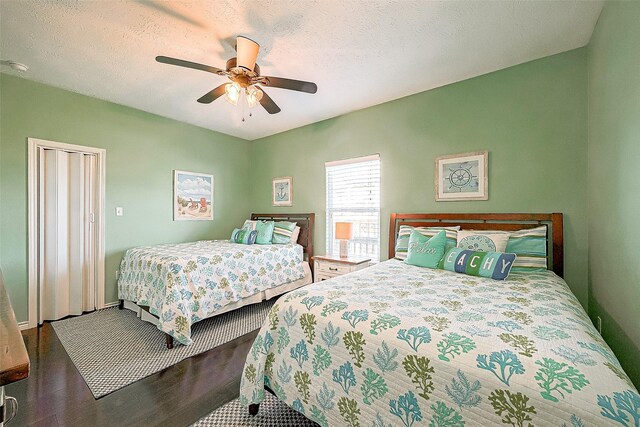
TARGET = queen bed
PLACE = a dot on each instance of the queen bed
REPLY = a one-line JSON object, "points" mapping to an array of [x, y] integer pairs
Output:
{"points": [[400, 345], [177, 285]]}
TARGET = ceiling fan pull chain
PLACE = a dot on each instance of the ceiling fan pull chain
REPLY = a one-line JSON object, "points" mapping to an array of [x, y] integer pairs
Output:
{"points": [[242, 108]]}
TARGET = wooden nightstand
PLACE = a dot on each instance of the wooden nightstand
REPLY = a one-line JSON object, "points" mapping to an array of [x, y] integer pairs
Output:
{"points": [[328, 266]]}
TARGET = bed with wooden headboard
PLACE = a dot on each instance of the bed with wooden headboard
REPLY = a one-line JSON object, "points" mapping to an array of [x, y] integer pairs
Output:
{"points": [[488, 221], [303, 220], [222, 275], [425, 346]]}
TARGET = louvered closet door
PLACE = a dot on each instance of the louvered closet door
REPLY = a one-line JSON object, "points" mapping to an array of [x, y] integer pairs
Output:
{"points": [[67, 233], [89, 264]]}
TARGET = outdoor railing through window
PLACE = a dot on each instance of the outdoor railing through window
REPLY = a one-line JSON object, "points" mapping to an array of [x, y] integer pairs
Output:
{"points": [[353, 195]]}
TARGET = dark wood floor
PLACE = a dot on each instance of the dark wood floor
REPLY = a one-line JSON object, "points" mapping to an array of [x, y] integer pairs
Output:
{"points": [[56, 395]]}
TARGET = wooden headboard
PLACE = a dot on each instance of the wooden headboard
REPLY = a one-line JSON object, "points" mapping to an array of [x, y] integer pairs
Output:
{"points": [[488, 221], [303, 220]]}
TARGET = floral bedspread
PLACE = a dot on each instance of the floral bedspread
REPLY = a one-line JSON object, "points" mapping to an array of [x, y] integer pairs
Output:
{"points": [[398, 345], [187, 282]]}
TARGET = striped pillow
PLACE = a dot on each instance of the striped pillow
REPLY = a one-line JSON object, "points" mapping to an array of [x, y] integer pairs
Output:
{"points": [[402, 242], [244, 236], [282, 232], [530, 247]]}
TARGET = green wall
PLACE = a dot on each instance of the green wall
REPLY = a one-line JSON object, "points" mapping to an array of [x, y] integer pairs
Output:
{"points": [[550, 126], [614, 180], [532, 118], [142, 151]]}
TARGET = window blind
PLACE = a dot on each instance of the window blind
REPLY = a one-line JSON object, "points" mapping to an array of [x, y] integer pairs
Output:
{"points": [[353, 195]]}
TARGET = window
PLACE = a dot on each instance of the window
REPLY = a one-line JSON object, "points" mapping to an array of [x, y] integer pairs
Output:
{"points": [[353, 195]]}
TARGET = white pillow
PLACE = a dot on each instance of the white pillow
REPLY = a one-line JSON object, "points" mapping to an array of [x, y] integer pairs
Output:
{"points": [[483, 240], [250, 225], [294, 235]]}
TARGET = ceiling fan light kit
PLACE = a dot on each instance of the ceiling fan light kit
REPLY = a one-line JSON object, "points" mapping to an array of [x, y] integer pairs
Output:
{"points": [[232, 92], [254, 95], [245, 77]]}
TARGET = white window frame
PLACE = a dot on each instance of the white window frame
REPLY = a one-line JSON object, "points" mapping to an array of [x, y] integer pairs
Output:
{"points": [[331, 248]]}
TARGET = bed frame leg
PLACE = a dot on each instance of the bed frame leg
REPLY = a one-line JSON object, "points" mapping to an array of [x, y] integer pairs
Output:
{"points": [[121, 304], [169, 340], [253, 408]]}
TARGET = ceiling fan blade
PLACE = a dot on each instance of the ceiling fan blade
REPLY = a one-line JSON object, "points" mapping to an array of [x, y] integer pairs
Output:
{"points": [[290, 84], [247, 52], [268, 104], [211, 96], [188, 64]]}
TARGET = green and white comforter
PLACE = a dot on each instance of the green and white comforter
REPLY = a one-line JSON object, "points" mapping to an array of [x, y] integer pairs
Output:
{"points": [[187, 282], [398, 345]]}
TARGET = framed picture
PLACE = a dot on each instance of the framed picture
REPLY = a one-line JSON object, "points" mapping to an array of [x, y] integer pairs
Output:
{"points": [[462, 177], [283, 191], [192, 196]]}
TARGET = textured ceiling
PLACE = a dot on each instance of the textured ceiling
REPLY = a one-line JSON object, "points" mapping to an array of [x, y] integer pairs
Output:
{"points": [[360, 53]]}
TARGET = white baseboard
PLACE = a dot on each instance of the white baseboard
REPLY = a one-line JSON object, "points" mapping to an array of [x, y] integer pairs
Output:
{"points": [[23, 325]]}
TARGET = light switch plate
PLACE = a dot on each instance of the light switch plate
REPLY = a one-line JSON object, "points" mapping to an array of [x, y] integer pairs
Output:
{"points": [[119, 211]]}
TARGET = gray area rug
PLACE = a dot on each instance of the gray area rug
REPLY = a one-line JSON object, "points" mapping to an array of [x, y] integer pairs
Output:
{"points": [[273, 413], [113, 348]]}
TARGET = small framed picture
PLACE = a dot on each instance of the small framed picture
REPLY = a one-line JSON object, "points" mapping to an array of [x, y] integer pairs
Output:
{"points": [[462, 177], [283, 191], [192, 196]]}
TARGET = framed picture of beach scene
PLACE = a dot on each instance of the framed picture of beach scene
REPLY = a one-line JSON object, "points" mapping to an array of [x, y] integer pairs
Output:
{"points": [[462, 177], [283, 191], [192, 196]]}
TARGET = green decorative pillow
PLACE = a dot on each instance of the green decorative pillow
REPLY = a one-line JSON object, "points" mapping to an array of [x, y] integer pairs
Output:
{"points": [[424, 251], [402, 242], [494, 265], [265, 232], [244, 236], [282, 232], [530, 246]]}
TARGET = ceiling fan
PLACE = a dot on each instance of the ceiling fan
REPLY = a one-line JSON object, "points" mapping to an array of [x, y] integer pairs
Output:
{"points": [[245, 78]]}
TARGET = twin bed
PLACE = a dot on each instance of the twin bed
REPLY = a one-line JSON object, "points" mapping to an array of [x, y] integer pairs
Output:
{"points": [[399, 345], [178, 285]]}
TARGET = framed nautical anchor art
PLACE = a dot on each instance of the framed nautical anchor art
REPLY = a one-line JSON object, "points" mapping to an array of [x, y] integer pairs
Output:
{"points": [[283, 191], [462, 177]]}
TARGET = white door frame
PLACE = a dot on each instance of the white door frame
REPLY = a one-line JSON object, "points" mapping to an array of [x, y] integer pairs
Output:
{"points": [[33, 146]]}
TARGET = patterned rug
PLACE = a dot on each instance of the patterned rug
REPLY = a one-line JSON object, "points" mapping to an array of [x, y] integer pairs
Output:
{"points": [[273, 413], [113, 348]]}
